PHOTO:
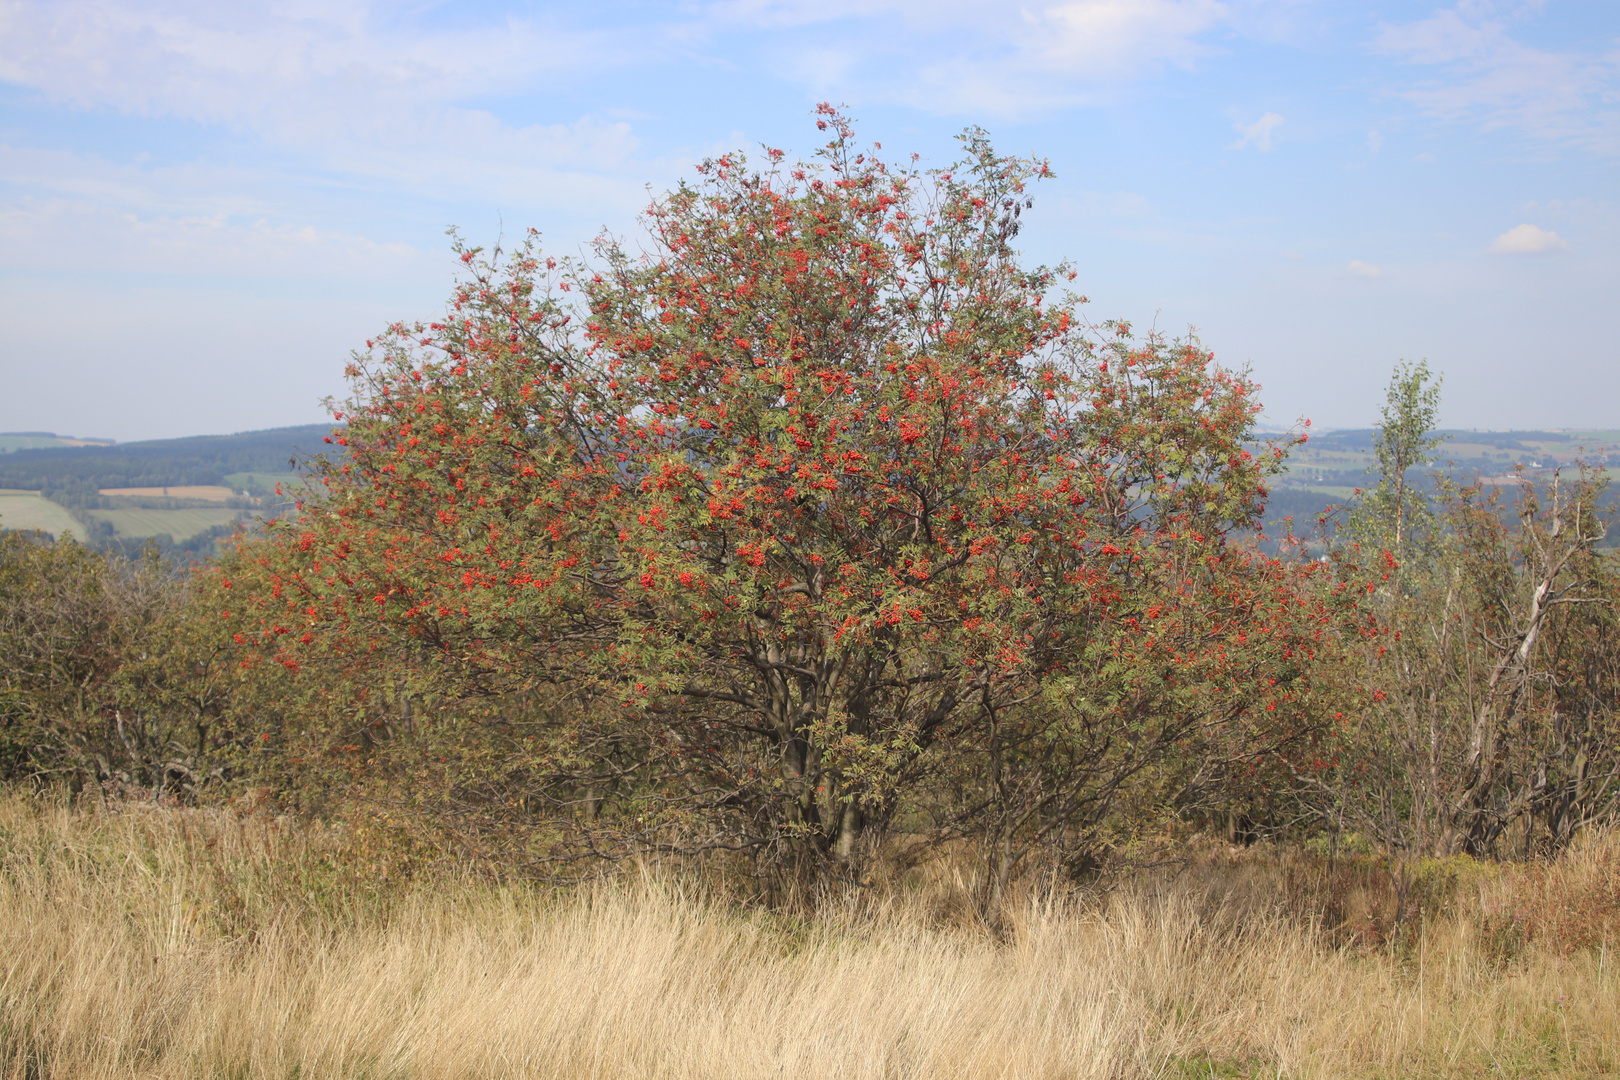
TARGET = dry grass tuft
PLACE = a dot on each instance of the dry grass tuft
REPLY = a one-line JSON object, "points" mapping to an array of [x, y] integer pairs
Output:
{"points": [[160, 943]]}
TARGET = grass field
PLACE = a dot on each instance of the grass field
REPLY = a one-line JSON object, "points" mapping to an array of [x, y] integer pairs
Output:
{"points": [[260, 482], [179, 524], [28, 442], [160, 943], [30, 510], [13, 441]]}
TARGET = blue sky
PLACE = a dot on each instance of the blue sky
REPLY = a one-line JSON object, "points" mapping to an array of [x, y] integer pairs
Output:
{"points": [[205, 206]]}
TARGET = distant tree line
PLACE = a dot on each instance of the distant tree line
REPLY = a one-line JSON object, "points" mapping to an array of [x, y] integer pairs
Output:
{"points": [[73, 475]]}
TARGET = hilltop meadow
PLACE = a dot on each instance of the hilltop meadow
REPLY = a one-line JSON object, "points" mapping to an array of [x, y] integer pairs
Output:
{"points": [[805, 644]]}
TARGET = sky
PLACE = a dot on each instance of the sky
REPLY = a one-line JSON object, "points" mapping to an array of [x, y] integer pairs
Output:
{"points": [[204, 206]]}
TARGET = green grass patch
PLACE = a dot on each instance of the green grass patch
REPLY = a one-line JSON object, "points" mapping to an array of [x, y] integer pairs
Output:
{"points": [[259, 483], [179, 524], [28, 442], [30, 510]]}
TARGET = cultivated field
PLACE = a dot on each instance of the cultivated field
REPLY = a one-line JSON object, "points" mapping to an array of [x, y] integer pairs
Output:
{"points": [[30, 510], [179, 524], [159, 943], [209, 492]]}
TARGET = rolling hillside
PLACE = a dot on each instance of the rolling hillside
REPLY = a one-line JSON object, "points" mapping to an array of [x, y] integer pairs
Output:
{"points": [[193, 489], [1328, 469], [200, 459], [183, 494]]}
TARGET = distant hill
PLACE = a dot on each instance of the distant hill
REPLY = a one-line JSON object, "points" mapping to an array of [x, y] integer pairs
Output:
{"points": [[180, 495], [1326, 471], [198, 460], [91, 480]]}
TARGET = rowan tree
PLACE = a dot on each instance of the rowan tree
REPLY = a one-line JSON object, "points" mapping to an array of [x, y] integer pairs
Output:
{"points": [[813, 496]]}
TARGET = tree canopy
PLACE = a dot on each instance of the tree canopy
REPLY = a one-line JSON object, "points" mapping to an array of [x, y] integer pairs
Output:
{"points": [[819, 508]]}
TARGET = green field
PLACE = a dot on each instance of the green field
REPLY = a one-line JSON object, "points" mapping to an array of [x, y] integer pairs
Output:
{"points": [[12, 441], [30, 510], [258, 482], [179, 524]]}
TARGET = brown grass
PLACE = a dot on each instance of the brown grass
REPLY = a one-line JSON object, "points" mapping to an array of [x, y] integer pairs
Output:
{"points": [[161, 943], [210, 492]]}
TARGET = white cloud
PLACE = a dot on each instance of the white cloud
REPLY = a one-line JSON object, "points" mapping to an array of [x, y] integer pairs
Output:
{"points": [[1528, 240], [1375, 141], [284, 65], [1104, 37], [346, 85], [189, 189], [982, 56], [1486, 75], [51, 235], [1361, 269], [363, 75], [1257, 134], [1110, 40], [162, 216]]}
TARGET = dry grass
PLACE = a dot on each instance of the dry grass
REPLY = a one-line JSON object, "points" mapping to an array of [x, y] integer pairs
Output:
{"points": [[199, 944], [210, 492]]}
